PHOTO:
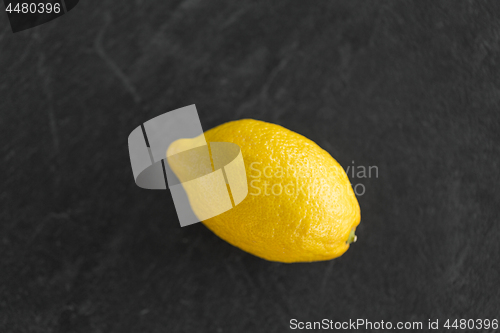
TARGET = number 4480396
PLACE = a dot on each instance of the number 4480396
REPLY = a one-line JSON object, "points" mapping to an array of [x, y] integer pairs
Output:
{"points": [[34, 8], [471, 324]]}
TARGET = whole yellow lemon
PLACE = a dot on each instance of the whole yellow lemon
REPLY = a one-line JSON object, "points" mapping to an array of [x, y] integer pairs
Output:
{"points": [[300, 205]]}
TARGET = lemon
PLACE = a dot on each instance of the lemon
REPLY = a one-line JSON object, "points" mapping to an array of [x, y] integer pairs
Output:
{"points": [[300, 205]]}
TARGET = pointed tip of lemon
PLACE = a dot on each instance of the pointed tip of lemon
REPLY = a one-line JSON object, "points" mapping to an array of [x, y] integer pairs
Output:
{"points": [[352, 237]]}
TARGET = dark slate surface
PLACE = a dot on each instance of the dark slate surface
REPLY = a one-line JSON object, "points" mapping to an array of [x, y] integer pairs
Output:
{"points": [[410, 87]]}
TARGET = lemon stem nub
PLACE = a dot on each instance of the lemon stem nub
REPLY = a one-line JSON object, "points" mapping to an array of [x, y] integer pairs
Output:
{"points": [[352, 237]]}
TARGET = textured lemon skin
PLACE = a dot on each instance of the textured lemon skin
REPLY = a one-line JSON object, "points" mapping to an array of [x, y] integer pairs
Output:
{"points": [[310, 220]]}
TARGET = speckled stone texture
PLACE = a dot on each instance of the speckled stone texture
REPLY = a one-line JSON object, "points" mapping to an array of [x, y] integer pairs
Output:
{"points": [[412, 87]]}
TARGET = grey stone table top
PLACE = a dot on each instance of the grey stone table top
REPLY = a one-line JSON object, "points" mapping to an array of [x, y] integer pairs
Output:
{"points": [[411, 87]]}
